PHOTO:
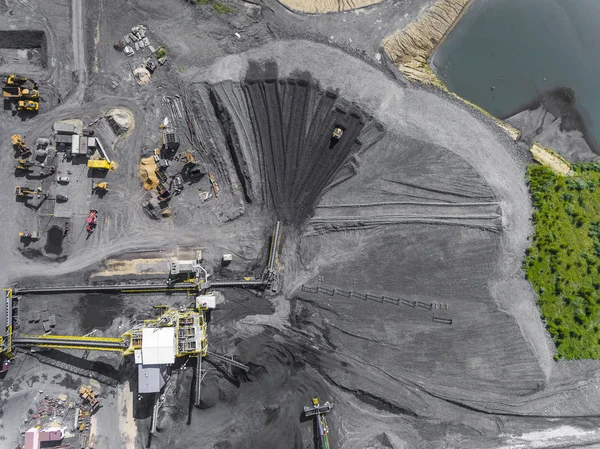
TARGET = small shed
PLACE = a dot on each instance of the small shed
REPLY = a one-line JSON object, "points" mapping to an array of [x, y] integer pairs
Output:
{"points": [[64, 128]]}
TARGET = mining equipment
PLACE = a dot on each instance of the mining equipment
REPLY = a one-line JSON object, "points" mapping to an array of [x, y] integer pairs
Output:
{"points": [[337, 133], [27, 191], [27, 105], [20, 93], [26, 235], [100, 187], [100, 164], [215, 185], [319, 411], [92, 221], [89, 397], [16, 80], [19, 144]]}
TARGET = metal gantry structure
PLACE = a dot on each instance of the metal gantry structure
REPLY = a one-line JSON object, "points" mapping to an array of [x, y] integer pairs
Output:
{"points": [[319, 411]]}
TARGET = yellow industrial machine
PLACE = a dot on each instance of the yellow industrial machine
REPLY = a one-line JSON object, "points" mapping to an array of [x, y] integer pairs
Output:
{"points": [[88, 395], [15, 80], [184, 331], [27, 191], [101, 187], [318, 411], [27, 105], [30, 94], [100, 164], [28, 235], [19, 144], [337, 133]]}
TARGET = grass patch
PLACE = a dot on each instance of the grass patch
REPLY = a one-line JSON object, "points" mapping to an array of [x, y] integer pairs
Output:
{"points": [[219, 7], [160, 52], [563, 261]]}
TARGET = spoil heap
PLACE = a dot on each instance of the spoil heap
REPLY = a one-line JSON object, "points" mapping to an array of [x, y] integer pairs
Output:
{"points": [[280, 131]]}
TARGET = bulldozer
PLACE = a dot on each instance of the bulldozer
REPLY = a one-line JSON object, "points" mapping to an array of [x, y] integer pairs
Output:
{"points": [[19, 144], [28, 235], [100, 187], [30, 94], [27, 105], [337, 133]]}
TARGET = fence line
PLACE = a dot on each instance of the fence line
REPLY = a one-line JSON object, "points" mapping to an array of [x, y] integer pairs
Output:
{"points": [[380, 299]]}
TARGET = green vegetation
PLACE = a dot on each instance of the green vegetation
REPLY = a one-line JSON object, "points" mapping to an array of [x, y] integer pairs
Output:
{"points": [[219, 7], [160, 52], [563, 262]]}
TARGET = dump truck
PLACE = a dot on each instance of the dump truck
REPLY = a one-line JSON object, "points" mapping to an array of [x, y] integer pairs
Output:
{"points": [[27, 105], [19, 145], [20, 93], [11, 92]]}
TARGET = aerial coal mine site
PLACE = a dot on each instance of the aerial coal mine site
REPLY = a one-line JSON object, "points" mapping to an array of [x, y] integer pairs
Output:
{"points": [[281, 224]]}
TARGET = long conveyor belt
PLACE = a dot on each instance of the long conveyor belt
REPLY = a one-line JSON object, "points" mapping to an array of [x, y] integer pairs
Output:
{"points": [[71, 342], [185, 288]]}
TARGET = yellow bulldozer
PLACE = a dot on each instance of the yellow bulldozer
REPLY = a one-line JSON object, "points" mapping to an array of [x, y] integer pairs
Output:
{"points": [[101, 187], [27, 105], [19, 145]]}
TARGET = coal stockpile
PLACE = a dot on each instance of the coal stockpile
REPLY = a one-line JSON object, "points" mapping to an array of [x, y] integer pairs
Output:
{"points": [[281, 132]]}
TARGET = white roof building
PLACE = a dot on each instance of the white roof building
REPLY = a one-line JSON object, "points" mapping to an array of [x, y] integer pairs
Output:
{"points": [[158, 345]]}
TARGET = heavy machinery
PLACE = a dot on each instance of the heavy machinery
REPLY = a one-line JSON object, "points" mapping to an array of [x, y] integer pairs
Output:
{"points": [[100, 187], [88, 396], [215, 185], [92, 221], [27, 105], [337, 133], [29, 94], [100, 164], [20, 93], [319, 411], [16, 80], [19, 145], [28, 235], [27, 191]]}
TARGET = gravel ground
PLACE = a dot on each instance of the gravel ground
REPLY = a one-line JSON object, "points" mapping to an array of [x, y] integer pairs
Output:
{"points": [[422, 202]]}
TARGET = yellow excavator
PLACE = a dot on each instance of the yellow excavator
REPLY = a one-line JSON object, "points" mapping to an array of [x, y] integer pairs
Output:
{"points": [[27, 105], [19, 145], [27, 191], [16, 80]]}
